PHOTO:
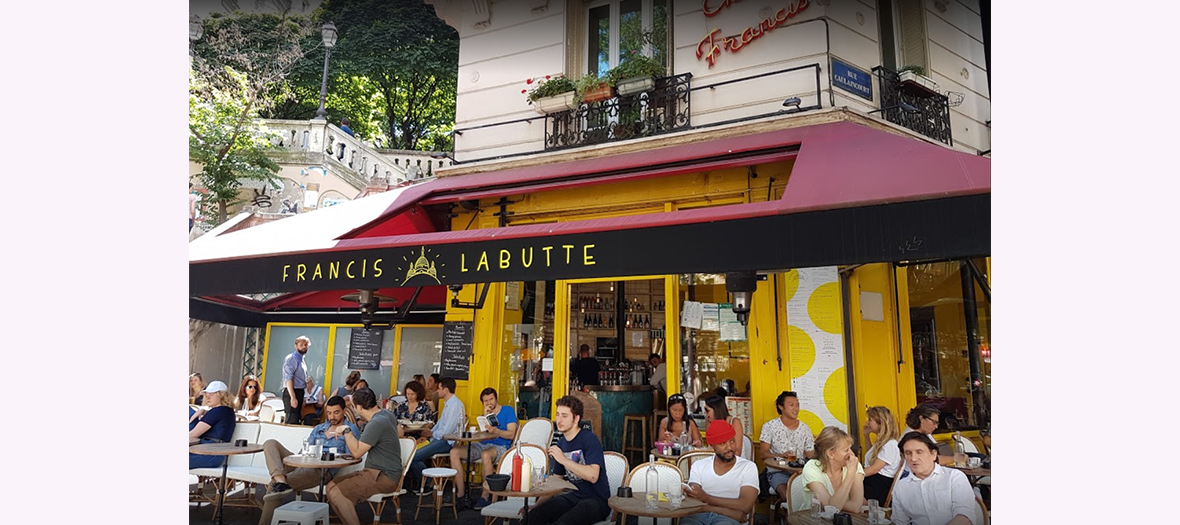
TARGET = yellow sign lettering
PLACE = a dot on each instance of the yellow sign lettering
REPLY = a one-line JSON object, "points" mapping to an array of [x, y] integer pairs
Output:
{"points": [[377, 268], [526, 261], [334, 270], [462, 263], [318, 274], [348, 270], [567, 247], [546, 250], [299, 271], [504, 259], [587, 259], [483, 262], [285, 266]]}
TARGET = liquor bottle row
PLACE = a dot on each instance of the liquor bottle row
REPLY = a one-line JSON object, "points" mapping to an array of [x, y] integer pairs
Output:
{"points": [[592, 320], [596, 303]]}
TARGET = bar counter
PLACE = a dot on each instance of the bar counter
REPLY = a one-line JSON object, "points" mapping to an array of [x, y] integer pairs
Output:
{"points": [[618, 401]]}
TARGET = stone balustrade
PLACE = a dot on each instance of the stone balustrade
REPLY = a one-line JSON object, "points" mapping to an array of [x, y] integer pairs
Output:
{"points": [[358, 162]]}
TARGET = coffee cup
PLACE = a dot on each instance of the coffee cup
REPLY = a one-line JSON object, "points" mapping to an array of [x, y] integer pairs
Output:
{"points": [[624, 492], [831, 510], [240, 443], [974, 462]]}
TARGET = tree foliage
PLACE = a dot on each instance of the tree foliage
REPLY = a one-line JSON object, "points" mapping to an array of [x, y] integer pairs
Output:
{"points": [[238, 69], [225, 140], [400, 57]]}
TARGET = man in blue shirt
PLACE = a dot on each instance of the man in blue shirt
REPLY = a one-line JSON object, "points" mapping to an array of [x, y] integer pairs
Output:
{"points": [[284, 479], [489, 450], [294, 379], [448, 423], [578, 455]]}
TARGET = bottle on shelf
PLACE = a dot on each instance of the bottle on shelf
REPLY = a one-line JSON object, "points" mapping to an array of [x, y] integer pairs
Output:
{"points": [[610, 323]]}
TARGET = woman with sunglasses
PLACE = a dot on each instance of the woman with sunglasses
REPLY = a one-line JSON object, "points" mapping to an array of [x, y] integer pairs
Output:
{"points": [[249, 400], [923, 419], [677, 423], [715, 409]]}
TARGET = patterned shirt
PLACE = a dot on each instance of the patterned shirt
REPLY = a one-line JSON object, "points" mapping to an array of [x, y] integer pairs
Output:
{"points": [[782, 439], [424, 412]]}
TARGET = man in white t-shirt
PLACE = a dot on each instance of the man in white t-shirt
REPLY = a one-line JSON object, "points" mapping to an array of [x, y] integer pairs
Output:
{"points": [[931, 494], [783, 434], [726, 482]]}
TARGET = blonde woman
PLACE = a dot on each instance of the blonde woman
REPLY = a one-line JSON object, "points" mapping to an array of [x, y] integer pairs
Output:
{"points": [[835, 476], [883, 458], [195, 386]]}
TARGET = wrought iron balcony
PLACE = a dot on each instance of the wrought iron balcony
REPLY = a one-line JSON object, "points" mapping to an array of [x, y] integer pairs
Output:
{"points": [[914, 107], [662, 110]]}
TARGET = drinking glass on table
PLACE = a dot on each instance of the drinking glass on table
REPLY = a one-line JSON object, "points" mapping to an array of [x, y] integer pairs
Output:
{"points": [[792, 455], [873, 509]]}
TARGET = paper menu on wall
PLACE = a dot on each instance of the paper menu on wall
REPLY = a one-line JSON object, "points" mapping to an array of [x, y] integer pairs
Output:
{"points": [[741, 407], [731, 328], [691, 314], [709, 321]]}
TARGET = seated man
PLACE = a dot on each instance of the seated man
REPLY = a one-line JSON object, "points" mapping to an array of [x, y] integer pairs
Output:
{"points": [[578, 455], [931, 493], [489, 450], [780, 436], [726, 482], [284, 479], [383, 467], [448, 423]]}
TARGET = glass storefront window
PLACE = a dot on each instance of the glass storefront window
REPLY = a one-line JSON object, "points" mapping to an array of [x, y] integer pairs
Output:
{"points": [[532, 343], [280, 343], [950, 326], [378, 380], [420, 353], [710, 364]]}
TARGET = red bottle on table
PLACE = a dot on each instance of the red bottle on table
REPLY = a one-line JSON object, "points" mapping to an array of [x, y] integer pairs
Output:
{"points": [[517, 463]]}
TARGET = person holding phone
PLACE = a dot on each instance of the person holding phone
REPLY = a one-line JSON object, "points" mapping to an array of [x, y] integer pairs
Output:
{"points": [[727, 483]]}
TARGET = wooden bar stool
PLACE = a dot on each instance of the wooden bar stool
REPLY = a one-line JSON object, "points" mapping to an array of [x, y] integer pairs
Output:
{"points": [[635, 441]]}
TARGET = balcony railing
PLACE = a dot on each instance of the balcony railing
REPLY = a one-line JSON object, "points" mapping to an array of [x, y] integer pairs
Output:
{"points": [[662, 110], [927, 113]]}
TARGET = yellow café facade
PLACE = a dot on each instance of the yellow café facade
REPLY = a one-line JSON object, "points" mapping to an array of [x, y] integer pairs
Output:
{"points": [[863, 292]]}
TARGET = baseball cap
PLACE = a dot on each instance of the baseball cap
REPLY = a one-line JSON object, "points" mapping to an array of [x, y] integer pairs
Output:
{"points": [[216, 386]]}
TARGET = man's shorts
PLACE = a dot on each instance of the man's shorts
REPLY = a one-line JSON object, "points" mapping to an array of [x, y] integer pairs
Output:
{"points": [[358, 486], [777, 477], [478, 447]]}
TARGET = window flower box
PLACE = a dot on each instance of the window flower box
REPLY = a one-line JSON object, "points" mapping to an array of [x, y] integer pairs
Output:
{"points": [[635, 85], [560, 102]]}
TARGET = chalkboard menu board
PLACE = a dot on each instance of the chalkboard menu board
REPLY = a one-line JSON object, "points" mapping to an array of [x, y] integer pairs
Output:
{"points": [[364, 349], [456, 350]]}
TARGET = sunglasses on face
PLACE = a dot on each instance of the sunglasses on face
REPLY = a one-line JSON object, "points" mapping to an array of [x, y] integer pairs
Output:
{"points": [[251, 387]]}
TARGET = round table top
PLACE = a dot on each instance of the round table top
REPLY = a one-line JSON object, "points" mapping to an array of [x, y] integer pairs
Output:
{"points": [[637, 506], [298, 461], [773, 463], [478, 436], [976, 471], [552, 485], [224, 449]]}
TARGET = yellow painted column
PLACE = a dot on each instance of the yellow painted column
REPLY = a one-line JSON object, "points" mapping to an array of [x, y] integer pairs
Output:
{"points": [[672, 362], [561, 334]]}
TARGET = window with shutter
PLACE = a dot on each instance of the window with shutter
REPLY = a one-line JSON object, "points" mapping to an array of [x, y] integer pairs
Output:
{"points": [[912, 41]]}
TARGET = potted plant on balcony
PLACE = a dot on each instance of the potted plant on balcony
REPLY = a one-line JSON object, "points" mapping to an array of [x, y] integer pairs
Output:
{"points": [[551, 94], [636, 74], [593, 88], [914, 78]]}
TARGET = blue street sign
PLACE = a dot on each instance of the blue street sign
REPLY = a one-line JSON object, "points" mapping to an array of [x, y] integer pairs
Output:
{"points": [[852, 80]]}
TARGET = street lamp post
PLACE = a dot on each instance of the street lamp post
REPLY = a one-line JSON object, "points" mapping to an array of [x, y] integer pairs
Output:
{"points": [[329, 34]]}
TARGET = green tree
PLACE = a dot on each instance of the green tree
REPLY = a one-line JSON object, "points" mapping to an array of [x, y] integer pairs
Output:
{"points": [[400, 59], [238, 70], [225, 140]]}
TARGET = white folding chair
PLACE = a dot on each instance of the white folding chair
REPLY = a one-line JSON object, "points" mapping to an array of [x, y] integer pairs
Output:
{"points": [[747, 448]]}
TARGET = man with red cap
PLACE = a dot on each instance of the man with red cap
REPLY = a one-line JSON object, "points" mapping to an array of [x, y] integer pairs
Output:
{"points": [[726, 482]]}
